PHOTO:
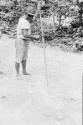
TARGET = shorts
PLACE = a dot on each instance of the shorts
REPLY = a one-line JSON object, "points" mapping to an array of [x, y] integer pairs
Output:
{"points": [[22, 47]]}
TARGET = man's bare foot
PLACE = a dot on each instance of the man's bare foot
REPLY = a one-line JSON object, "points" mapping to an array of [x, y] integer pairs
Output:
{"points": [[25, 73]]}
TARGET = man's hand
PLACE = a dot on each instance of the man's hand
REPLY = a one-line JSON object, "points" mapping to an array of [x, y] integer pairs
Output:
{"points": [[36, 37], [33, 37]]}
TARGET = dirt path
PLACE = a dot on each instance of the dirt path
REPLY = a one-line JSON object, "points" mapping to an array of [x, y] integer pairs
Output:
{"points": [[28, 100]]}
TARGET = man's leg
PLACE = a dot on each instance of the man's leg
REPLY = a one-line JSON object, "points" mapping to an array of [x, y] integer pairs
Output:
{"points": [[17, 66], [19, 54], [24, 60], [24, 67]]}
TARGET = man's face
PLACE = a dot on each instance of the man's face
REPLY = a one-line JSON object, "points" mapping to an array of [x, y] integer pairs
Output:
{"points": [[30, 18]]}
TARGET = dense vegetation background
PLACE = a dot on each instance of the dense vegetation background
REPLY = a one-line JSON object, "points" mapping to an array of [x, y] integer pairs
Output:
{"points": [[62, 20]]}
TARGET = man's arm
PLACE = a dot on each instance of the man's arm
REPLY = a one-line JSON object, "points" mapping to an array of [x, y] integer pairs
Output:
{"points": [[26, 35]]}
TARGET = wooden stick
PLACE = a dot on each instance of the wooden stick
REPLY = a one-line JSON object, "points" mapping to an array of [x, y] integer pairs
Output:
{"points": [[44, 51]]}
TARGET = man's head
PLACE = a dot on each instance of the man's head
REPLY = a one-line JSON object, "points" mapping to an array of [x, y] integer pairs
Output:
{"points": [[30, 17], [29, 14]]}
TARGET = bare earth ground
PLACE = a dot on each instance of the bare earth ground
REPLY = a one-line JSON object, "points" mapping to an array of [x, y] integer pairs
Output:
{"points": [[28, 100]]}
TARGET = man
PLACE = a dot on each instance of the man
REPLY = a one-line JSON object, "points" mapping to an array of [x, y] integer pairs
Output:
{"points": [[22, 41]]}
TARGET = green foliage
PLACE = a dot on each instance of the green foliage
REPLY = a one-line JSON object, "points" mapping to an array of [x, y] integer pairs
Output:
{"points": [[11, 10]]}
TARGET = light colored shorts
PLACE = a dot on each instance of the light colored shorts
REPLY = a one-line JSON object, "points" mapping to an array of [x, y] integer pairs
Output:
{"points": [[22, 47]]}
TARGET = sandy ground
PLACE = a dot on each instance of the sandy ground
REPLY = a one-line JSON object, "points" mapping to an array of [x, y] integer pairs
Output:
{"points": [[28, 100]]}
